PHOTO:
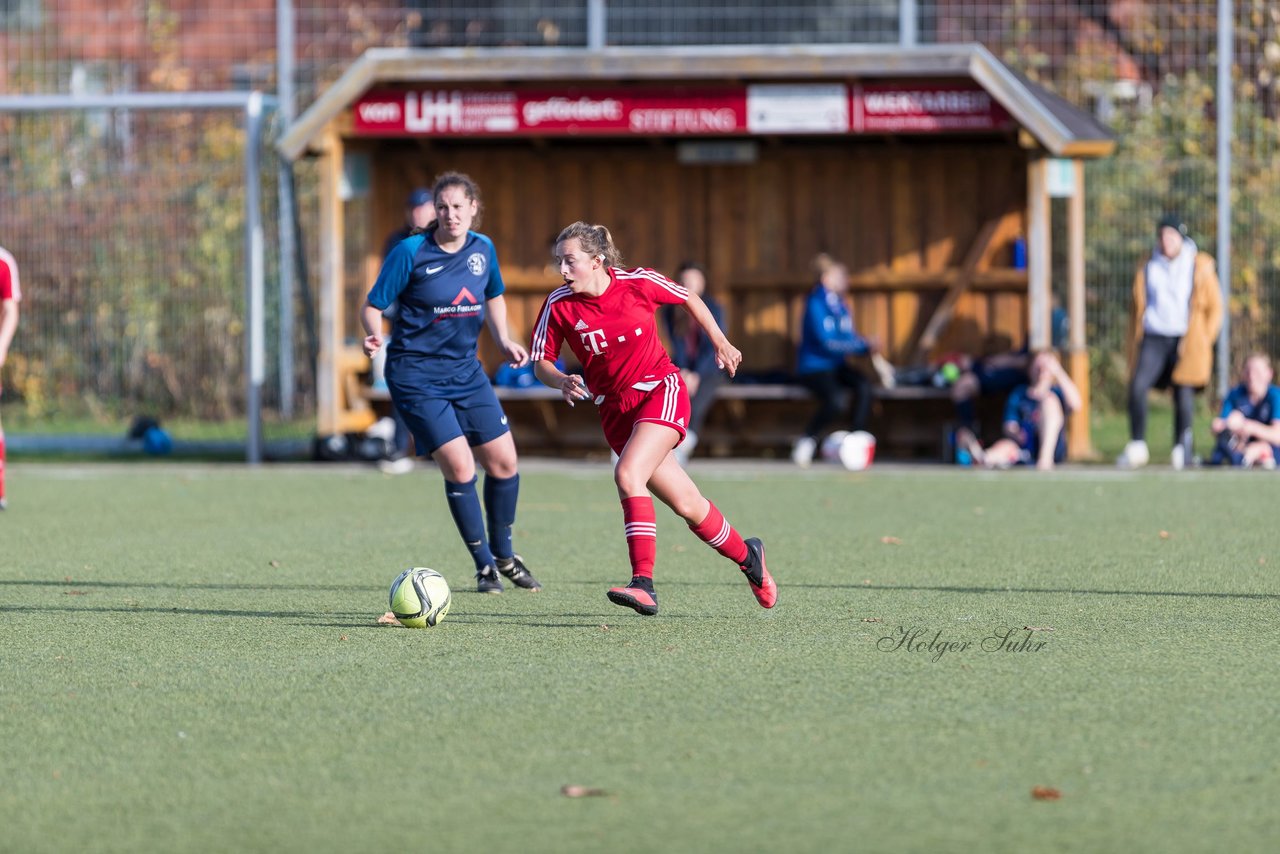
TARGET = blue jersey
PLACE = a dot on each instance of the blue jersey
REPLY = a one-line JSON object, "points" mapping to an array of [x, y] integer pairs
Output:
{"points": [[828, 335], [441, 297], [1025, 410], [1264, 411]]}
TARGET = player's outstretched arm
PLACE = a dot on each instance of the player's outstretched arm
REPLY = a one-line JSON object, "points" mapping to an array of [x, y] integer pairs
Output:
{"points": [[728, 357]]}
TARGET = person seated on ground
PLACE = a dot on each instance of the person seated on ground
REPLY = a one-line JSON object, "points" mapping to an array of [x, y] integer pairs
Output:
{"points": [[1248, 430], [694, 354], [827, 340], [1034, 420]]}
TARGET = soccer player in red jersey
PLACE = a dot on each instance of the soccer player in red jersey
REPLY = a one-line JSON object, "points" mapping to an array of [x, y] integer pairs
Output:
{"points": [[606, 315], [10, 296]]}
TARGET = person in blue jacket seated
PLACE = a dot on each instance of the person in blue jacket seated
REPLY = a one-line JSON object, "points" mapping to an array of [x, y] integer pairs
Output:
{"points": [[1035, 419], [1248, 430], [827, 340]]}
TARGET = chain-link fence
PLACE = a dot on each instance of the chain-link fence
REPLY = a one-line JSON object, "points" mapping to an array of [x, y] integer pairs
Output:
{"points": [[127, 225]]}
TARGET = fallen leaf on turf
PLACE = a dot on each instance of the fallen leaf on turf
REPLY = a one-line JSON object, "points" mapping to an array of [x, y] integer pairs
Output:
{"points": [[1045, 793], [582, 792], [1038, 628], [872, 620], [891, 541], [344, 637], [388, 619], [74, 592], [275, 563], [1164, 535], [604, 627]]}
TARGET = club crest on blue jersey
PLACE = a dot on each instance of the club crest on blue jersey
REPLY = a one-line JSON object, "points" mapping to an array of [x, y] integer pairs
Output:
{"points": [[475, 263]]}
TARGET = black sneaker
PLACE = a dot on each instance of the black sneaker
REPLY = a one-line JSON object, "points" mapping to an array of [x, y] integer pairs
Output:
{"points": [[514, 569], [487, 581], [639, 596]]}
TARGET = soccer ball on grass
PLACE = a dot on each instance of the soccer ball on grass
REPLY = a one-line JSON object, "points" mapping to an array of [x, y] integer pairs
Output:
{"points": [[419, 597]]}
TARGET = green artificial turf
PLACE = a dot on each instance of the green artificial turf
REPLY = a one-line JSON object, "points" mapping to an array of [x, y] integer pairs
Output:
{"points": [[191, 663]]}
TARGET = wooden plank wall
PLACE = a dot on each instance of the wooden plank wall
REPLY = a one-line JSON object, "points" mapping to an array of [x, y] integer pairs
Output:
{"points": [[901, 214]]}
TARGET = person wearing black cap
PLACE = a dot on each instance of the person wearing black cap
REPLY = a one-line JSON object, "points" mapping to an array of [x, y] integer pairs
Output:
{"points": [[419, 212], [1175, 317]]}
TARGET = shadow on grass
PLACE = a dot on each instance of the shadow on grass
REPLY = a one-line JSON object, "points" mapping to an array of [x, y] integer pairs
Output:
{"points": [[362, 588], [173, 585]]}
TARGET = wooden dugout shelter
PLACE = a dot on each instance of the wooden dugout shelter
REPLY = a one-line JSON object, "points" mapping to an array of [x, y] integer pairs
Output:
{"points": [[921, 168]]}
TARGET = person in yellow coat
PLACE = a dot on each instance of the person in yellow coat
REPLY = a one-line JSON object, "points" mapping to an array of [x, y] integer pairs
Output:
{"points": [[1175, 318]]}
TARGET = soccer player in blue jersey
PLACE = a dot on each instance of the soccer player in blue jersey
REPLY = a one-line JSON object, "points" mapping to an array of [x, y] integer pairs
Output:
{"points": [[448, 284], [1248, 430]]}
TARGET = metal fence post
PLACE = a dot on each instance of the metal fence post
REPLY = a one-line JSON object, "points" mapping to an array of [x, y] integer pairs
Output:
{"points": [[284, 191], [1226, 131], [255, 356], [907, 35]]}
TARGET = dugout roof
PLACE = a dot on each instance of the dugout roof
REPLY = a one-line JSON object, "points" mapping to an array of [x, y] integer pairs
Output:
{"points": [[1055, 125]]}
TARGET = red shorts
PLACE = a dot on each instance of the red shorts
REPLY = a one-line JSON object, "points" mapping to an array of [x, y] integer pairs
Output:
{"points": [[667, 404]]}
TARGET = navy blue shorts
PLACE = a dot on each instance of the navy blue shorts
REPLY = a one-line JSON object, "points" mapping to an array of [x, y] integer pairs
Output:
{"points": [[439, 412]]}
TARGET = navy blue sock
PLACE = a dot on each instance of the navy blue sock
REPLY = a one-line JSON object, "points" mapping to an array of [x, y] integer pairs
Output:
{"points": [[967, 412], [500, 507], [464, 504]]}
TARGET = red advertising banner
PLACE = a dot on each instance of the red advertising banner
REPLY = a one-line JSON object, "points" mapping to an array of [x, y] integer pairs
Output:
{"points": [[928, 108], [554, 113], [792, 108]]}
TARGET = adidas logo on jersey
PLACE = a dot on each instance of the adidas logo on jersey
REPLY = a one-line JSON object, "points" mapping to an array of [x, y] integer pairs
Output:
{"points": [[580, 325], [680, 420]]}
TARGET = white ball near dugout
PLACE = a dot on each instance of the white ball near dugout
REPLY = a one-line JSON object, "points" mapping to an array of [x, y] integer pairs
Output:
{"points": [[853, 450], [420, 597]]}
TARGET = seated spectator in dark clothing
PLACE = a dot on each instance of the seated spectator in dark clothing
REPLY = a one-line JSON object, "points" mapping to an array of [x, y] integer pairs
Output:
{"points": [[827, 340], [1248, 430], [1035, 420], [694, 354], [994, 375]]}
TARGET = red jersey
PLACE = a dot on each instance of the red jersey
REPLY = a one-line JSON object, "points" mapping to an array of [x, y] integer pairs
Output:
{"points": [[613, 335], [9, 288]]}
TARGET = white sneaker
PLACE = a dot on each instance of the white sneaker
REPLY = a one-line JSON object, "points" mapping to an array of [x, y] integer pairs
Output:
{"points": [[802, 451], [1135, 455], [396, 465], [1178, 458]]}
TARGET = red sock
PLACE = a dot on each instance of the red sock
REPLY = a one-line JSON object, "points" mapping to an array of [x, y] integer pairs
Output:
{"points": [[642, 534], [716, 532], [1, 468]]}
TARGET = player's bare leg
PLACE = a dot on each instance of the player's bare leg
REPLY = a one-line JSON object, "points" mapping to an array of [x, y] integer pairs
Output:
{"points": [[1052, 419]]}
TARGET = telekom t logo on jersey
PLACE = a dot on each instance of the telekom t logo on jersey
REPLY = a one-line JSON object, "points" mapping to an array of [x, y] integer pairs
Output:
{"points": [[594, 338]]}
